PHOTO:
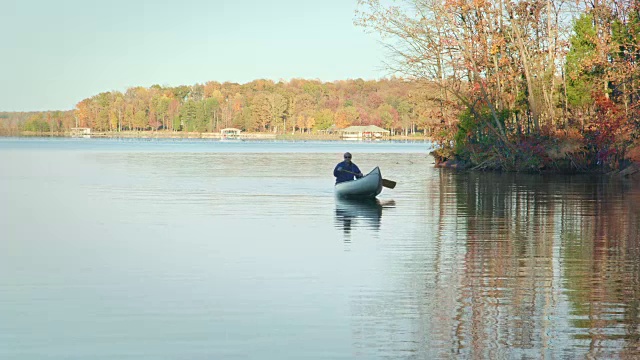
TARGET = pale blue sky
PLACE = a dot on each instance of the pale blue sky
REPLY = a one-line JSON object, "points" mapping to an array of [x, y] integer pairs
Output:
{"points": [[56, 53]]}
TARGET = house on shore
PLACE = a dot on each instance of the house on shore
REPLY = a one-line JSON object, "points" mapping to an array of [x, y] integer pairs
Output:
{"points": [[364, 132], [230, 133], [80, 132]]}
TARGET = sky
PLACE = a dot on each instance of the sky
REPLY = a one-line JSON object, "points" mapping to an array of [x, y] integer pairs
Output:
{"points": [[56, 53]]}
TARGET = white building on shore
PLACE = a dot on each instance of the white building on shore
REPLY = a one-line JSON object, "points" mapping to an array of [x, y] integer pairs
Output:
{"points": [[364, 132]]}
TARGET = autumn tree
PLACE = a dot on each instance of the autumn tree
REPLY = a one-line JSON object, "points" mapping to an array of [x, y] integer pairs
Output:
{"points": [[261, 111], [36, 123], [323, 119], [485, 55], [345, 117], [277, 107], [579, 69]]}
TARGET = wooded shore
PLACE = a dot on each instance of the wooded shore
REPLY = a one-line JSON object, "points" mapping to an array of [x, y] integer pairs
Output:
{"points": [[202, 135]]}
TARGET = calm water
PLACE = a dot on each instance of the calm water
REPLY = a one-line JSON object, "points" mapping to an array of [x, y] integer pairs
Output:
{"points": [[209, 250]]}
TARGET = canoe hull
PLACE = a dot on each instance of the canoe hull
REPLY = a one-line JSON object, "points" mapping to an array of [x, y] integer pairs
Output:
{"points": [[367, 187]]}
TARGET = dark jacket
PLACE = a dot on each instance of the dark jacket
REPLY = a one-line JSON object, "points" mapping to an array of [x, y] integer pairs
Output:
{"points": [[342, 176]]}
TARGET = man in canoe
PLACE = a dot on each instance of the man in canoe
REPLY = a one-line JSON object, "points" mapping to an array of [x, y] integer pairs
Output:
{"points": [[346, 170]]}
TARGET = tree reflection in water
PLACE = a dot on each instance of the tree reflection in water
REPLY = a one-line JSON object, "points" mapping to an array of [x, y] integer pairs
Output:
{"points": [[542, 250], [502, 266]]}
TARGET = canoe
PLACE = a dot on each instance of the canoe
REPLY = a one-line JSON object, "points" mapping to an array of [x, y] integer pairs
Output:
{"points": [[367, 187]]}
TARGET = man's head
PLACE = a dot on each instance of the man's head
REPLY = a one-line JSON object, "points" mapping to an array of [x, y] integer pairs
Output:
{"points": [[347, 157]]}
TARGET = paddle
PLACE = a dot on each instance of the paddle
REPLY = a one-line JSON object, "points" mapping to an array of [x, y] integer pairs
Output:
{"points": [[386, 183]]}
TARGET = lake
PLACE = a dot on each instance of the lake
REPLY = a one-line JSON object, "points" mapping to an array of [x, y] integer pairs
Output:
{"points": [[193, 249]]}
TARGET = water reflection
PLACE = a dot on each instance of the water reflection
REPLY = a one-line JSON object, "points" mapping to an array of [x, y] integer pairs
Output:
{"points": [[546, 264], [507, 266], [471, 266], [351, 214]]}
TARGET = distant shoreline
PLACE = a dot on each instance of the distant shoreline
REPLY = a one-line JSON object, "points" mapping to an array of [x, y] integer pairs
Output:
{"points": [[198, 135], [631, 169]]}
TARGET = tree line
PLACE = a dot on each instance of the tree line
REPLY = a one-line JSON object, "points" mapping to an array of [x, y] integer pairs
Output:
{"points": [[536, 84], [296, 106]]}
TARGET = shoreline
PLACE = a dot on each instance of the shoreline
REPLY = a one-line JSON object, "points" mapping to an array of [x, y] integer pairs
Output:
{"points": [[632, 170], [198, 135]]}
